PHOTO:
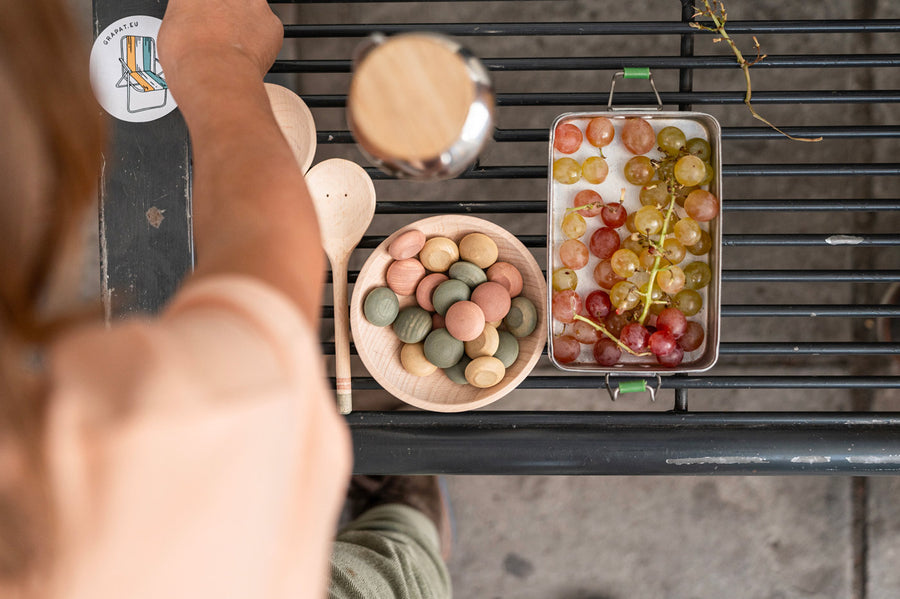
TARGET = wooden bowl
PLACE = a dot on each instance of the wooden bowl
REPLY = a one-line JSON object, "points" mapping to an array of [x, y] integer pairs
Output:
{"points": [[379, 347]]}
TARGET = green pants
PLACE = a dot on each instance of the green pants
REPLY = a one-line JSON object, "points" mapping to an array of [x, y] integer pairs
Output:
{"points": [[390, 552]]}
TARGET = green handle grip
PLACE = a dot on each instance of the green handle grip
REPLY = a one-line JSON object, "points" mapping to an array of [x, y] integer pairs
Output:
{"points": [[637, 72], [632, 386]]}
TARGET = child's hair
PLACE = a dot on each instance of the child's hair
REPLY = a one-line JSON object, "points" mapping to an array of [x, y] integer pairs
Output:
{"points": [[44, 68]]}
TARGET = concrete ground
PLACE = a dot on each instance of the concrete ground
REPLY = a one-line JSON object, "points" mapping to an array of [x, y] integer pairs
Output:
{"points": [[737, 537]]}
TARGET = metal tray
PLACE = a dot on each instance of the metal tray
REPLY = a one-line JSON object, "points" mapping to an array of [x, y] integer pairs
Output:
{"points": [[694, 124]]}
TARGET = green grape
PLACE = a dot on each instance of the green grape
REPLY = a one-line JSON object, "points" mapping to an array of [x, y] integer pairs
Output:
{"points": [[624, 262], [633, 245], [697, 275], [703, 246], [699, 147], [564, 278], [687, 231], [649, 220], [670, 140], [639, 170], [689, 170], [566, 170], [665, 170], [710, 173], [671, 280], [594, 170], [655, 295], [688, 301], [573, 225], [629, 222], [673, 250], [646, 259], [624, 295], [654, 194]]}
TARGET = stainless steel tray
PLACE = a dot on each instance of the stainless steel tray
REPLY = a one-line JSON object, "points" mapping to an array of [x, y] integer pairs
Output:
{"points": [[694, 124]]}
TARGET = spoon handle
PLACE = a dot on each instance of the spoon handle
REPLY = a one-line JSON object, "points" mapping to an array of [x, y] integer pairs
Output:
{"points": [[341, 337]]}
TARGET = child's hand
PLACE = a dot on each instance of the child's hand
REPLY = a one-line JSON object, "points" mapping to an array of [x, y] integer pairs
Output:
{"points": [[205, 34]]}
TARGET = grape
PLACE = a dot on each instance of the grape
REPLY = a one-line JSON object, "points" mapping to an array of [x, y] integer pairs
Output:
{"points": [[647, 258], [573, 225], [585, 333], [629, 222], [624, 296], [597, 304], [697, 275], [673, 250], [657, 293], [639, 170], [661, 343], [567, 138], [671, 280], [688, 301], [649, 220], [670, 140], [699, 148], [594, 170], [630, 243], [687, 231], [600, 131], [566, 304], [689, 170], [566, 349], [710, 173], [701, 205], [566, 171], [681, 194], [673, 321], [638, 136], [615, 322], [673, 358], [624, 263], [564, 278], [614, 215], [635, 337], [588, 196], [573, 254], [606, 352], [703, 246], [605, 276], [654, 194], [665, 170], [604, 242], [692, 337]]}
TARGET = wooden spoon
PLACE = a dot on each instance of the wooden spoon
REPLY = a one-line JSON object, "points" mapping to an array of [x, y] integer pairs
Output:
{"points": [[344, 197], [296, 123]]}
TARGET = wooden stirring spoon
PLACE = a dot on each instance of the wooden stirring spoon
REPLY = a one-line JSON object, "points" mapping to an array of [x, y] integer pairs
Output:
{"points": [[345, 204]]}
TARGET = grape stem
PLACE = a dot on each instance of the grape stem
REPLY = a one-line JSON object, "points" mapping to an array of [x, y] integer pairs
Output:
{"points": [[648, 295], [615, 340], [715, 11]]}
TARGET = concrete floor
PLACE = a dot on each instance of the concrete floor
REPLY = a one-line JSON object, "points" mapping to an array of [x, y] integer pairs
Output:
{"points": [[738, 537]]}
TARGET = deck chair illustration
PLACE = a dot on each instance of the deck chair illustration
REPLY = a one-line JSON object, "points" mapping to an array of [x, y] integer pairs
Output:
{"points": [[140, 71]]}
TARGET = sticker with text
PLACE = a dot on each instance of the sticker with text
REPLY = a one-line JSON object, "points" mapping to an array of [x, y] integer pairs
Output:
{"points": [[127, 78]]}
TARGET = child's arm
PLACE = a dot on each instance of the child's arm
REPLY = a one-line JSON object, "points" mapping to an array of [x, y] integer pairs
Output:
{"points": [[251, 210]]}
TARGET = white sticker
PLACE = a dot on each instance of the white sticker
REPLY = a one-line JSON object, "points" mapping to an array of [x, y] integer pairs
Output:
{"points": [[127, 78]]}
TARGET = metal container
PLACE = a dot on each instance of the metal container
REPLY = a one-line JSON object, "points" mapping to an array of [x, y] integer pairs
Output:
{"points": [[694, 124]]}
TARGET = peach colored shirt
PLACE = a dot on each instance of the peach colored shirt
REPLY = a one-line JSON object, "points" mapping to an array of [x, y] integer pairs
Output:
{"points": [[199, 455]]}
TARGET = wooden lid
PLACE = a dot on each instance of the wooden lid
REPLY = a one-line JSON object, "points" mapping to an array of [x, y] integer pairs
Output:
{"points": [[409, 98]]}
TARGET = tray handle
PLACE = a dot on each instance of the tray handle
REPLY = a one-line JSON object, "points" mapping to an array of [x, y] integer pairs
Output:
{"points": [[632, 73], [638, 386]]}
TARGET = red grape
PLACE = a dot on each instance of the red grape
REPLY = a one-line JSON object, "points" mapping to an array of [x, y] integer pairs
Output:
{"points": [[701, 205], [573, 254], [638, 136], [585, 333], [604, 242], [606, 352], [615, 322], [566, 304], [588, 196], [605, 276], [672, 358], [614, 215], [600, 131], [635, 337], [566, 349], [692, 337], [661, 343], [673, 321], [597, 304], [567, 138]]}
